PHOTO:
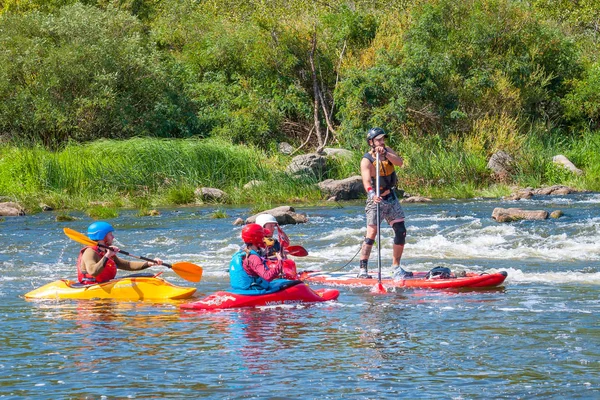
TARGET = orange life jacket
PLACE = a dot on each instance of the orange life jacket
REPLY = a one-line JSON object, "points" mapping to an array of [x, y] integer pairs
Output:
{"points": [[387, 173]]}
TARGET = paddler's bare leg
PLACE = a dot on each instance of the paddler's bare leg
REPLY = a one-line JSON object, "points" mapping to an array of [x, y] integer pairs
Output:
{"points": [[397, 254], [365, 252]]}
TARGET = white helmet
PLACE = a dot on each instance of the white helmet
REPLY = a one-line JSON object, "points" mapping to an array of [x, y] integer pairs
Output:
{"points": [[264, 219]]}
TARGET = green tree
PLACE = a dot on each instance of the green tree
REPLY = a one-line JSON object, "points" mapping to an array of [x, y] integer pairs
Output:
{"points": [[84, 73]]}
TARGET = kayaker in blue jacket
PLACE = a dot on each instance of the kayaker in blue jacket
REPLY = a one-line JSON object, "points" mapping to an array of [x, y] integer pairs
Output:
{"points": [[248, 270]]}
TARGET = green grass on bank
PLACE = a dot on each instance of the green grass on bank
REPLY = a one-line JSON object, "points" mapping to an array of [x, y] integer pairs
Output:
{"points": [[146, 173]]}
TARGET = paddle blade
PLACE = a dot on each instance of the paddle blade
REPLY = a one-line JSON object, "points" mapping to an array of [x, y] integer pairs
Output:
{"points": [[188, 271], [283, 238], [79, 237], [297, 251], [378, 289]]}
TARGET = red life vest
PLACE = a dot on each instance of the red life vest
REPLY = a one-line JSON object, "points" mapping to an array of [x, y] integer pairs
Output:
{"points": [[109, 272]]}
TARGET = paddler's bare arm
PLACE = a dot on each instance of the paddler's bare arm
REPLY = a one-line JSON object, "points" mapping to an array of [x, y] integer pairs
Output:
{"points": [[131, 265], [366, 171], [393, 157]]}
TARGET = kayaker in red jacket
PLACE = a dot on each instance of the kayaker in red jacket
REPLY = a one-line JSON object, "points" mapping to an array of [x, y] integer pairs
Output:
{"points": [[96, 264], [248, 270]]}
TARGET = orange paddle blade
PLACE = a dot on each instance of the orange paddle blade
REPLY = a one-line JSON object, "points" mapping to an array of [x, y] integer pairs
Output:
{"points": [[188, 271], [79, 237]]}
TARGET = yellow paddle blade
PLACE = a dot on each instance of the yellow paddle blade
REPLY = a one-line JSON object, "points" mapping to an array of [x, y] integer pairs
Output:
{"points": [[79, 237], [188, 271]]}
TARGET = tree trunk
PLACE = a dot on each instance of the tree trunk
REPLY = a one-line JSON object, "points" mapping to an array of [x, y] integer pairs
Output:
{"points": [[316, 92]]}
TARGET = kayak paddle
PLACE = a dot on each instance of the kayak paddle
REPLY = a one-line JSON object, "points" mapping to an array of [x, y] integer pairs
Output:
{"points": [[379, 287], [186, 270], [297, 251]]}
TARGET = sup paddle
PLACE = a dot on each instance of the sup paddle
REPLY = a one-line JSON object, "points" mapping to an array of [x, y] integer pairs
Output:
{"points": [[378, 288], [186, 270]]}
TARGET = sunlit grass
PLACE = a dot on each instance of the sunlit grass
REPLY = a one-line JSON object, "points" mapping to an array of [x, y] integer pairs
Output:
{"points": [[147, 173]]}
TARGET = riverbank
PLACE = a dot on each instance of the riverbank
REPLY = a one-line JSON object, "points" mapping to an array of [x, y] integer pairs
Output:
{"points": [[146, 173]]}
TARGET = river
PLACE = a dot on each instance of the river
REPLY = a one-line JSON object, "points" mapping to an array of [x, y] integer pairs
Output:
{"points": [[538, 336]]}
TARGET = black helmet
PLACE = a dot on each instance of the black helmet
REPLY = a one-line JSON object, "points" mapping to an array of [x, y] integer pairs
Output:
{"points": [[373, 133]]}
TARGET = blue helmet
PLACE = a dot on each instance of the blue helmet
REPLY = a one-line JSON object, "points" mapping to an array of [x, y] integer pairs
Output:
{"points": [[99, 230]]}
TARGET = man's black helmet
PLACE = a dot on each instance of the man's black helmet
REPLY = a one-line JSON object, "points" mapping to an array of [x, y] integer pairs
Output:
{"points": [[373, 133]]}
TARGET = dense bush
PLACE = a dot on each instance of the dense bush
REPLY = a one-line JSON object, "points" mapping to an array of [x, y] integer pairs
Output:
{"points": [[459, 62], [83, 74], [241, 70]]}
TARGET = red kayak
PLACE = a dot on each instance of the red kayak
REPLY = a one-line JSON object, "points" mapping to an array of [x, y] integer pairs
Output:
{"points": [[293, 295], [418, 280]]}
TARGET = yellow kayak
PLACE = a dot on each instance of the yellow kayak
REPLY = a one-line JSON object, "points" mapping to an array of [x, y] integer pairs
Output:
{"points": [[133, 287]]}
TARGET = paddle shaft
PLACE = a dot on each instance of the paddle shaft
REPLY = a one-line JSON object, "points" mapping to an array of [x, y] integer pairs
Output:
{"points": [[188, 271], [134, 256], [377, 192]]}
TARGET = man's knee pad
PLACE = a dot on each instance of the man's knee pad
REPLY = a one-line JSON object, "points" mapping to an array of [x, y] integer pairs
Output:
{"points": [[370, 242], [399, 233]]}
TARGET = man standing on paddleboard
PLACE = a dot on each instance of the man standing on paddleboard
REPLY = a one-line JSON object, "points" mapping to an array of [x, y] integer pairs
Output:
{"points": [[389, 206]]}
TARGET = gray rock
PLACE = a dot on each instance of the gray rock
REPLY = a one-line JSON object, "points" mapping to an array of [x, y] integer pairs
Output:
{"points": [[502, 164], [565, 162], [416, 199], [338, 153], [555, 190], [253, 183], [556, 214], [11, 209], [210, 194], [516, 214], [344, 189], [238, 221], [311, 164], [285, 148], [285, 215]]}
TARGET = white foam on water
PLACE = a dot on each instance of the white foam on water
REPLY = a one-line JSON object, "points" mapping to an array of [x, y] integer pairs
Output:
{"points": [[440, 218], [506, 241], [161, 241], [342, 233], [593, 199], [554, 278]]}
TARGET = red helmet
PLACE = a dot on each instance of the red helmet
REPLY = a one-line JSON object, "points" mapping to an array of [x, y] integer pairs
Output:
{"points": [[253, 234]]}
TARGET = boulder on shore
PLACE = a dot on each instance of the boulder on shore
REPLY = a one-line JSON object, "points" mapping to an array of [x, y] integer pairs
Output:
{"points": [[210, 194], [556, 190], [344, 189], [416, 199], [338, 153], [517, 214], [285, 215], [11, 209], [502, 164], [312, 164], [566, 163]]}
